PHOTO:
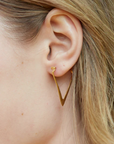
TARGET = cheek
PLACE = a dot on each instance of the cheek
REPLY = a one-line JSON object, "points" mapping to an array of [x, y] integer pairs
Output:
{"points": [[28, 107], [27, 117]]}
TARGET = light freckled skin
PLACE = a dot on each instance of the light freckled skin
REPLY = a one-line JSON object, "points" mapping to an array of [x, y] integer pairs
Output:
{"points": [[30, 108]]}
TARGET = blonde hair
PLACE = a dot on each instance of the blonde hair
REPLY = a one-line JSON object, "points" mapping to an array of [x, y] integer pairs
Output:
{"points": [[93, 80]]}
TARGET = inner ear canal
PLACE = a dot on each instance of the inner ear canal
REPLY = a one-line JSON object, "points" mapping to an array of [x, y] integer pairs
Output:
{"points": [[56, 49], [61, 46], [49, 55]]}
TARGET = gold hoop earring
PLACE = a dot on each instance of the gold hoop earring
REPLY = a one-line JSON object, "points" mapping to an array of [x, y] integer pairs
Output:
{"points": [[62, 100]]}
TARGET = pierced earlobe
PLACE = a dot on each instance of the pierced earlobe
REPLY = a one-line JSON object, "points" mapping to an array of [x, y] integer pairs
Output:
{"points": [[62, 100]]}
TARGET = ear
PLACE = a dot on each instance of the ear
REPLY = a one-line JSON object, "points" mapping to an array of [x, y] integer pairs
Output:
{"points": [[64, 34]]}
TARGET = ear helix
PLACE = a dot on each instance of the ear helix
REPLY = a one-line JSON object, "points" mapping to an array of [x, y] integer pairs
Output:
{"points": [[62, 100]]}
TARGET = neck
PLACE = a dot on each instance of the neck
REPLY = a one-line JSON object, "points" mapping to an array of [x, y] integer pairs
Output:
{"points": [[67, 132]]}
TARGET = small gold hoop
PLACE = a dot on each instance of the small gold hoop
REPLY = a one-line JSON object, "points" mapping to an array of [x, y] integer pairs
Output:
{"points": [[62, 100]]}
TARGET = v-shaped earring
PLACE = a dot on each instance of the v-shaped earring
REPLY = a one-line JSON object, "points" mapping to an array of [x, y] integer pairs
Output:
{"points": [[62, 100]]}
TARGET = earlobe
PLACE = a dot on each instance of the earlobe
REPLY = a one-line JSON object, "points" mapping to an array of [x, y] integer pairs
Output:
{"points": [[65, 41]]}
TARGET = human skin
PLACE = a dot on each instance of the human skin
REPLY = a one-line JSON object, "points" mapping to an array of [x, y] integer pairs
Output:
{"points": [[30, 108]]}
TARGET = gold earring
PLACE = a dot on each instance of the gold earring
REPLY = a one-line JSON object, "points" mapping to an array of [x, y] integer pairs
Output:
{"points": [[62, 100]]}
